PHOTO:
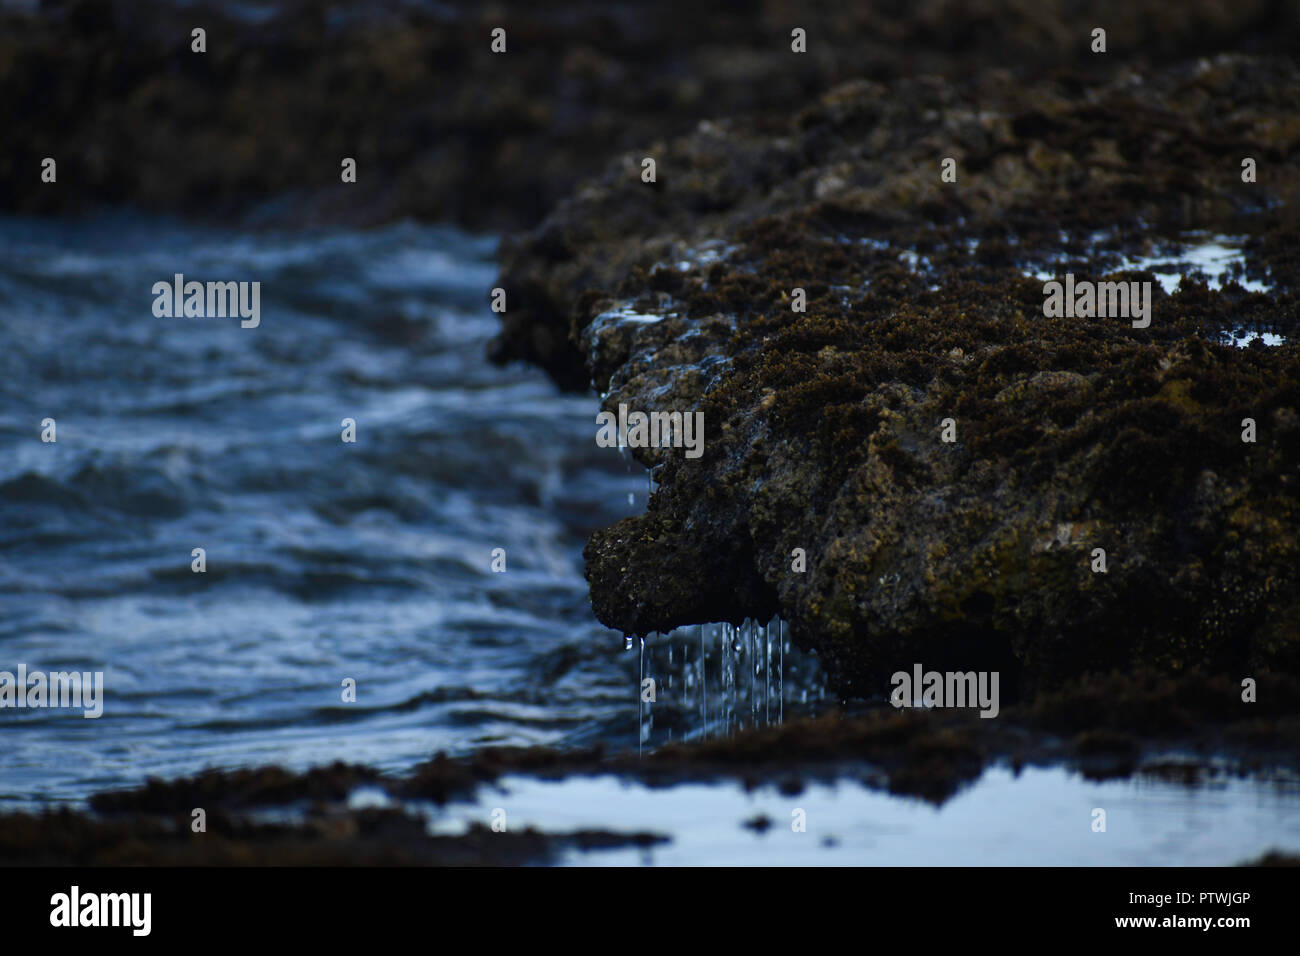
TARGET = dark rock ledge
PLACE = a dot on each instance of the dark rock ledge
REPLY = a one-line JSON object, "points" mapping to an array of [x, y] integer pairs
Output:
{"points": [[823, 428]]}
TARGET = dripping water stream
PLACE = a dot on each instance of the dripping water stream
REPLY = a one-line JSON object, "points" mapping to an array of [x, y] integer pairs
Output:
{"points": [[753, 678]]}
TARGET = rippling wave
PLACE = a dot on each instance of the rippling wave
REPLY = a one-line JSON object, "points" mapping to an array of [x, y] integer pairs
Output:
{"points": [[325, 560]]}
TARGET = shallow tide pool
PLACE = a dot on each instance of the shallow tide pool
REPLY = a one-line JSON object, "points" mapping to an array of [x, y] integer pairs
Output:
{"points": [[1041, 816]]}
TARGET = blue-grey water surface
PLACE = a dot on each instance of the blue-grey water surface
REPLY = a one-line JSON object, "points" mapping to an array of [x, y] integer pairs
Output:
{"points": [[325, 560]]}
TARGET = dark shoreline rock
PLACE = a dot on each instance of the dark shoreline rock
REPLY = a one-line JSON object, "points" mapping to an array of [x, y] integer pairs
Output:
{"points": [[445, 130], [823, 428], [341, 838]]}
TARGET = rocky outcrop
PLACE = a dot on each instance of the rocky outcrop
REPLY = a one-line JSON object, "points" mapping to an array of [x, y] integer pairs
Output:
{"points": [[925, 303], [445, 129]]}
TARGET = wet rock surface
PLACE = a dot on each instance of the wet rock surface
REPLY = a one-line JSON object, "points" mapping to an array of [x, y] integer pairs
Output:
{"points": [[269, 815], [824, 427], [331, 837]]}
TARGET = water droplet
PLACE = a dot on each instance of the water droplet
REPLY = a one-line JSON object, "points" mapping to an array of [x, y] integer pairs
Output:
{"points": [[627, 642]]}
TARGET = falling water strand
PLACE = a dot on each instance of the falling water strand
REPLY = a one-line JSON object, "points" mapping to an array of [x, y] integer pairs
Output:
{"points": [[751, 632], [742, 636], [767, 673], [735, 679], [780, 645], [704, 702], [724, 644], [728, 675]]}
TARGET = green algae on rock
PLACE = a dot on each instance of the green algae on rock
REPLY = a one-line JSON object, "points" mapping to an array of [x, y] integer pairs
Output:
{"points": [[824, 426]]}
